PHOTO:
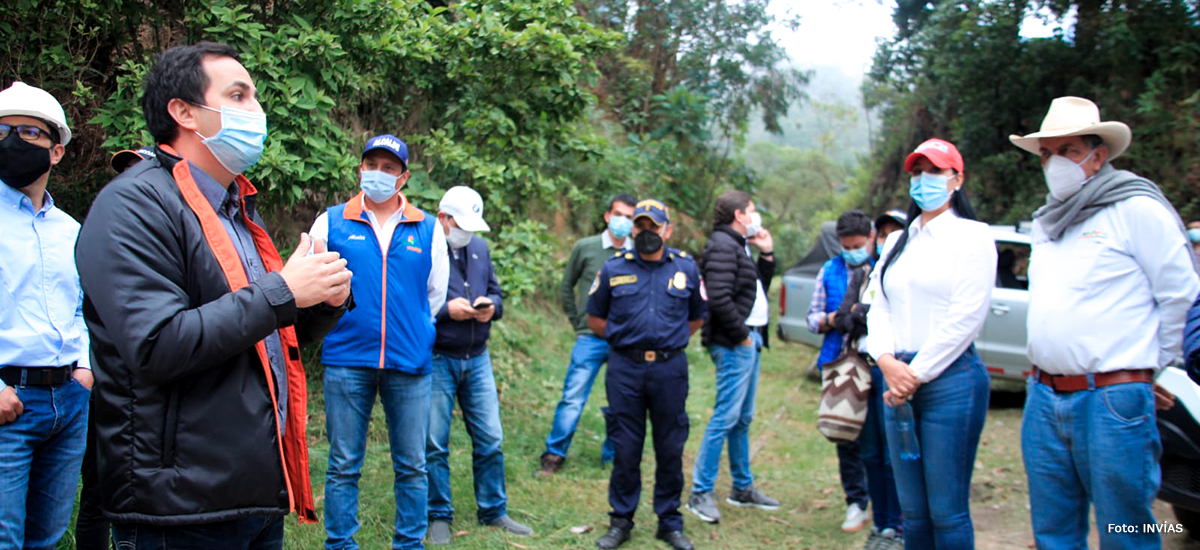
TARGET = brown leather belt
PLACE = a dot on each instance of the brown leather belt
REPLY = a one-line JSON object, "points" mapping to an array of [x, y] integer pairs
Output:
{"points": [[1068, 383]]}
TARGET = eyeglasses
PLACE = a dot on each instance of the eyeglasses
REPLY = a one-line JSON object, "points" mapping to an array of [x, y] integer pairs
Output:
{"points": [[27, 132]]}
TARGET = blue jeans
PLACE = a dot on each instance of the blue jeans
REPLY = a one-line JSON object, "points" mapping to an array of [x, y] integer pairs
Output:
{"points": [[935, 490], [471, 382], [349, 397], [40, 454], [1100, 446], [737, 384], [881, 482], [253, 533], [588, 355]]}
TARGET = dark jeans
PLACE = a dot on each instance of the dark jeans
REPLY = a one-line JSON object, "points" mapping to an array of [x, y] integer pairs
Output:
{"points": [[935, 489], [256, 533], [853, 473], [92, 531], [635, 388], [881, 482]]}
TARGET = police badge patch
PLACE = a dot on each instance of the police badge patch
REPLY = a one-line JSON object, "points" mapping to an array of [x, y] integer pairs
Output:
{"points": [[679, 281]]}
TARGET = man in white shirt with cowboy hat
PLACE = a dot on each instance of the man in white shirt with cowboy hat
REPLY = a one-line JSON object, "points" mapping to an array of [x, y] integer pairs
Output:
{"points": [[1111, 278]]}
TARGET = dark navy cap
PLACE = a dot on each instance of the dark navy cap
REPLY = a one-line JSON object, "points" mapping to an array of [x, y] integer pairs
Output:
{"points": [[126, 158], [389, 143], [650, 208]]}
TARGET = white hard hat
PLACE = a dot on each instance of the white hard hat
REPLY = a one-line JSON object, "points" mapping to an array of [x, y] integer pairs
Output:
{"points": [[466, 207], [25, 100]]}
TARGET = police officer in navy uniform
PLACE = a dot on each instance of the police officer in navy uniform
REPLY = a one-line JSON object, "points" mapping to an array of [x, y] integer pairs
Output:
{"points": [[647, 304]]}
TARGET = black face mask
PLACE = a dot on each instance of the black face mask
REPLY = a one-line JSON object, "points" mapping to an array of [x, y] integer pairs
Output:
{"points": [[21, 162], [647, 242]]}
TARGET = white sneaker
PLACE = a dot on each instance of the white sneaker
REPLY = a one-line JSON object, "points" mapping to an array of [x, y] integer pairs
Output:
{"points": [[856, 519]]}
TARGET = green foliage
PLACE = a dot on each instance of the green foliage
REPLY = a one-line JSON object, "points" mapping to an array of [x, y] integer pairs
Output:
{"points": [[961, 71], [797, 190], [523, 259], [546, 107]]}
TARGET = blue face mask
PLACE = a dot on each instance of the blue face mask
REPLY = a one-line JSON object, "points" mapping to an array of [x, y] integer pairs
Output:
{"points": [[620, 226], [239, 144], [930, 191], [1194, 234], [378, 185], [856, 256], [879, 249]]}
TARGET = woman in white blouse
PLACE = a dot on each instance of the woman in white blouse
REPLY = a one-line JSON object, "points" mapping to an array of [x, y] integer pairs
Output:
{"points": [[930, 298]]}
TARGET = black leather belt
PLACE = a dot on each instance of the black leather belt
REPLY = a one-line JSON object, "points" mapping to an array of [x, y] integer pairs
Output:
{"points": [[15, 375], [648, 355]]}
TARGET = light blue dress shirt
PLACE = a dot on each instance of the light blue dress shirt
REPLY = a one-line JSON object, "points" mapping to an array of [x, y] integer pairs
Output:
{"points": [[41, 301]]}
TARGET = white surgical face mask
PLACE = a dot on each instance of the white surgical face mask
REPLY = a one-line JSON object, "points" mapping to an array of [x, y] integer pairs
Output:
{"points": [[458, 238], [755, 225], [1063, 177]]}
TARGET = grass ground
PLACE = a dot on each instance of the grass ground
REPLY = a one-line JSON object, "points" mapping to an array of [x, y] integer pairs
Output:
{"points": [[791, 460]]}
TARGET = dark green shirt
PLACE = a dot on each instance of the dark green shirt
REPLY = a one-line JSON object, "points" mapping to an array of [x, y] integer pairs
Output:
{"points": [[585, 262]]}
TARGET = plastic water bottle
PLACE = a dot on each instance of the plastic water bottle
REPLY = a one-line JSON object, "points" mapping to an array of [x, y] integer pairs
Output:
{"points": [[910, 448]]}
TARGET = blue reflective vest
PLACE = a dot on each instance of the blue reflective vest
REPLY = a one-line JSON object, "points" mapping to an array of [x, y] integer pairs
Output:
{"points": [[390, 326]]}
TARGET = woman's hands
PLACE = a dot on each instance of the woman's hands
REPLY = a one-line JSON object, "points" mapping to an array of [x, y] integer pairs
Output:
{"points": [[901, 380]]}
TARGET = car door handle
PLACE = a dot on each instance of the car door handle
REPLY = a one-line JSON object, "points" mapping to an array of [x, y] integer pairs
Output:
{"points": [[1000, 309]]}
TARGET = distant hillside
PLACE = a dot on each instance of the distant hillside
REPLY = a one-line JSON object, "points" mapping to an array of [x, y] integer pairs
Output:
{"points": [[830, 120]]}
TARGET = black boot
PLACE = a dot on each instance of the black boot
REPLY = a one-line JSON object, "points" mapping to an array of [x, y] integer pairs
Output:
{"points": [[675, 539], [618, 533]]}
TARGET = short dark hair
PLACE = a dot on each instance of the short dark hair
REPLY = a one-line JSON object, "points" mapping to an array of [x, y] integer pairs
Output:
{"points": [[1092, 140], [623, 198], [854, 223], [177, 73], [727, 204]]}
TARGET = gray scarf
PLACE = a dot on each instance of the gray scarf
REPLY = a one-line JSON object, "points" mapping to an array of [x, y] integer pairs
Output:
{"points": [[1108, 186]]}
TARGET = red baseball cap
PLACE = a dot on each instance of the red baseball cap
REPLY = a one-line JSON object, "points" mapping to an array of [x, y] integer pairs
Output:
{"points": [[941, 153]]}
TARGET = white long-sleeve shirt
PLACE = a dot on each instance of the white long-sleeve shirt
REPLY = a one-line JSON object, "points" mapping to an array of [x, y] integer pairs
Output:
{"points": [[439, 272], [938, 292], [1112, 293]]}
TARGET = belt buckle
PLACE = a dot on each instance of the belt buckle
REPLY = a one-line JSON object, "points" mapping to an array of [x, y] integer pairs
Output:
{"points": [[650, 356]]}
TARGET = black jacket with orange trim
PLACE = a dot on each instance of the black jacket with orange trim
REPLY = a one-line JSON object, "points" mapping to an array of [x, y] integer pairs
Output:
{"points": [[187, 431]]}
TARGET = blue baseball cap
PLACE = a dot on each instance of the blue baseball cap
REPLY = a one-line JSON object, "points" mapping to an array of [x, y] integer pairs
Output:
{"points": [[650, 208], [125, 158], [389, 143]]}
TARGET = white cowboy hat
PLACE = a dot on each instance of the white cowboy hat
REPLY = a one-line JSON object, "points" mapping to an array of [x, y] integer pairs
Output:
{"points": [[1076, 116]]}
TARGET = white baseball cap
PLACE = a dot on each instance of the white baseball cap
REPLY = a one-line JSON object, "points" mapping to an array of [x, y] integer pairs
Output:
{"points": [[466, 207], [25, 100]]}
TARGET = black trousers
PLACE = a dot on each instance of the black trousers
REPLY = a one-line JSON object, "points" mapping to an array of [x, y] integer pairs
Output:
{"points": [[634, 389], [92, 531]]}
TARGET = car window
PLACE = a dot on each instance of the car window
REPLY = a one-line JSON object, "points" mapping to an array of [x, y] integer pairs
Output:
{"points": [[1012, 265]]}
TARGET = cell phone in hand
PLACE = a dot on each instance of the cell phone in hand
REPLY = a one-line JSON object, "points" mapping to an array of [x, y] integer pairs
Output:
{"points": [[484, 305]]}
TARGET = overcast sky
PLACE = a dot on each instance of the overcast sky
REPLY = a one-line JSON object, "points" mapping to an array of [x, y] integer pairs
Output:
{"points": [[844, 32]]}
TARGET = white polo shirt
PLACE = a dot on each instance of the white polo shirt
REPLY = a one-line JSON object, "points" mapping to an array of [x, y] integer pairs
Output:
{"points": [[1112, 293]]}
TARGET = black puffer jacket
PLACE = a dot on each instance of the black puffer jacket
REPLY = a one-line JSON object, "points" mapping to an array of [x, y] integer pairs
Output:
{"points": [[186, 429], [729, 279]]}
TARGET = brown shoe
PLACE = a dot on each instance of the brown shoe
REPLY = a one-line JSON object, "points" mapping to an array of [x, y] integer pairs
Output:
{"points": [[551, 464]]}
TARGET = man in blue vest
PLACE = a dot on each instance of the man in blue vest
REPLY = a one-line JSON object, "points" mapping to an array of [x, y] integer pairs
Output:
{"points": [[854, 232], [462, 370], [385, 345]]}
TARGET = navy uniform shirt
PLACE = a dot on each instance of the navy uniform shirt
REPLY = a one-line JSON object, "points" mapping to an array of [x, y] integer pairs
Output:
{"points": [[648, 304]]}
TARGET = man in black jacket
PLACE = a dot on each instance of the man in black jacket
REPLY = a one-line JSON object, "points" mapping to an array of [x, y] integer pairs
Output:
{"points": [[735, 335], [196, 324]]}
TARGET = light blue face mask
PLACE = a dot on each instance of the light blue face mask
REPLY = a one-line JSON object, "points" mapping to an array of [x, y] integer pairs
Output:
{"points": [[929, 190], [620, 226], [1194, 234], [239, 144], [378, 185], [857, 256]]}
